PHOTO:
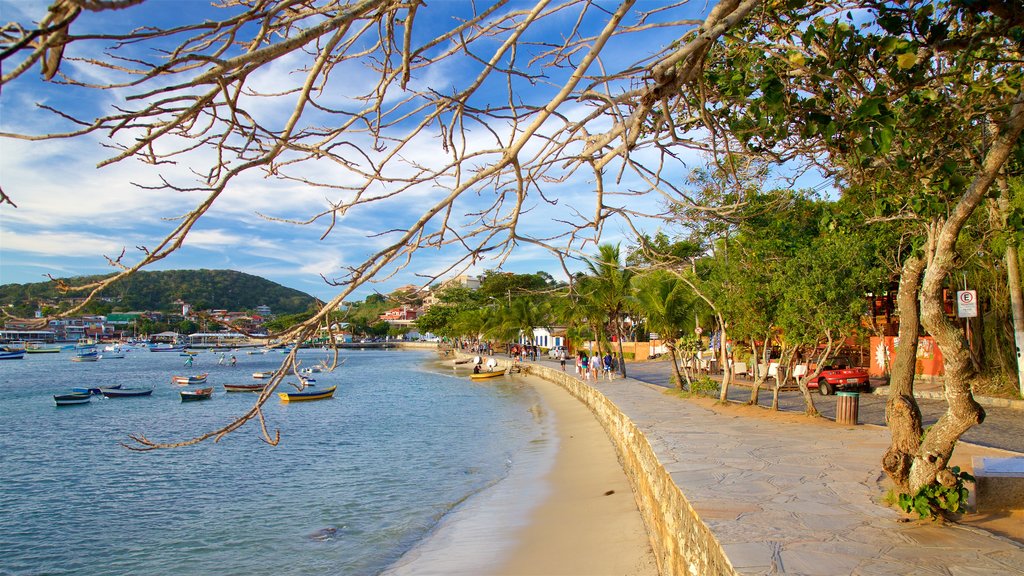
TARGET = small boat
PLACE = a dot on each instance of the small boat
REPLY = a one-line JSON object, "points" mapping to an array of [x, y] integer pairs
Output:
{"points": [[11, 354], [186, 380], [486, 375], [461, 361], [197, 394], [262, 374], [71, 399], [87, 390], [125, 392], [113, 356], [39, 349], [307, 395], [244, 387], [86, 357], [311, 370], [166, 348]]}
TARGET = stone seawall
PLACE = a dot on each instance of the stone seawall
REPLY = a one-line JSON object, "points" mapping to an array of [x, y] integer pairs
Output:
{"points": [[682, 543]]}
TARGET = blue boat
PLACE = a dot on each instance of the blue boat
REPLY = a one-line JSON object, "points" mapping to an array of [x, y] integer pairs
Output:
{"points": [[8, 353]]}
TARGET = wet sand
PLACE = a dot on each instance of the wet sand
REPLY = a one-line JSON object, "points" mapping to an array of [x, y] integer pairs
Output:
{"points": [[589, 523]]}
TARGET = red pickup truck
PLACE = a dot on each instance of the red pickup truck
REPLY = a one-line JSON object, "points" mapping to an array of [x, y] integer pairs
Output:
{"points": [[840, 374]]}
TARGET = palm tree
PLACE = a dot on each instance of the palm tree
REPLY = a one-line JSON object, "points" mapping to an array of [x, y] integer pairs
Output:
{"points": [[520, 316], [608, 291], [661, 298]]}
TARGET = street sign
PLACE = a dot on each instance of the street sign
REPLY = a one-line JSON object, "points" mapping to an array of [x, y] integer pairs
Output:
{"points": [[967, 303]]}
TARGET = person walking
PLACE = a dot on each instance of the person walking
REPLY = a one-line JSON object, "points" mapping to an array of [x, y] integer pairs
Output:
{"points": [[608, 365], [585, 366], [595, 364], [561, 359]]}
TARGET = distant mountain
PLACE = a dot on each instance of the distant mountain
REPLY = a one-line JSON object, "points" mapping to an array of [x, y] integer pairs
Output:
{"points": [[159, 291]]}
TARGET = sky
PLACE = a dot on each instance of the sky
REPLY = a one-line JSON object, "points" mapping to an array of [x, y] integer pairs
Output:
{"points": [[71, 216]]}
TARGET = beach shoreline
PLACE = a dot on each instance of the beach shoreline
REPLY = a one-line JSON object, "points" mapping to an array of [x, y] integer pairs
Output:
{"points": [[566, 508], [589, 523]]}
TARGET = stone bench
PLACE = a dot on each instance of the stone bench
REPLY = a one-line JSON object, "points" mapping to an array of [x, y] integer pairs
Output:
{"points": [[1000, 484]]}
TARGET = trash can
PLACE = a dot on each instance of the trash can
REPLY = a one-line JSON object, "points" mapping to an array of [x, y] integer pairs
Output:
{"points": [[847, 406]]}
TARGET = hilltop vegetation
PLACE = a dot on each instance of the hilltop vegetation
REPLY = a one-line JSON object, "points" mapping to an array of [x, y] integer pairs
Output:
{"points": [[159, 291]]}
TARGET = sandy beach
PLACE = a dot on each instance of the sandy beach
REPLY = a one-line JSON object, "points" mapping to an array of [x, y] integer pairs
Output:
{"points": [[589, 523]]}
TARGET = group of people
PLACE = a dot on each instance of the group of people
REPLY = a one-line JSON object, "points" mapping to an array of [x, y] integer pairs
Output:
{"points": [[478, 363], [593, 366], [520, 352]]}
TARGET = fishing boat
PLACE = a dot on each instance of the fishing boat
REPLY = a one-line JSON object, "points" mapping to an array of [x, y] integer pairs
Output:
{"points": [[118, 355], [86, 356], [71, 399], [197, 394], [486, 375], [186, 380], [8, 353], [88, 390], [40, 349], [125, 392], [307, 395], [244, 387], [262, 374], [166, 348]]}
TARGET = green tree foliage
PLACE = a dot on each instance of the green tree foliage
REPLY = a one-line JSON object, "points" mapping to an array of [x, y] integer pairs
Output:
{"points": [[159, 291]]}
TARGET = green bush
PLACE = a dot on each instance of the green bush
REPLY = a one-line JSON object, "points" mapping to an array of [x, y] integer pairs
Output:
{"points": [[935, 499], [704, 386], [628, 355]]}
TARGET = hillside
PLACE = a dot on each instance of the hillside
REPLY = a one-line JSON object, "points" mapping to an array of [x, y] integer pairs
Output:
{"points": [[158, 291]]}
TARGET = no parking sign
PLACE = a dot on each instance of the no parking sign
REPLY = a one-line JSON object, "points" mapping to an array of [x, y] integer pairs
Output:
{"points": [[967, 303]]}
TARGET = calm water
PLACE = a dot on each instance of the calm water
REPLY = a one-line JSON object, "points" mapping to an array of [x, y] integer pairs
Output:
{"points": [[393, 462]]}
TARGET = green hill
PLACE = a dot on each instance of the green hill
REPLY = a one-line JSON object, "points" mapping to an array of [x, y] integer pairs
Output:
{"points": [[159, 291]]}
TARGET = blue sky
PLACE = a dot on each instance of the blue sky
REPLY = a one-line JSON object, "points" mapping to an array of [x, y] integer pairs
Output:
{"points": [[71, 214]]}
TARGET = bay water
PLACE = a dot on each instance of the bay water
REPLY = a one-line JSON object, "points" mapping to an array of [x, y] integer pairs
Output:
{"points": [[393, 473]]}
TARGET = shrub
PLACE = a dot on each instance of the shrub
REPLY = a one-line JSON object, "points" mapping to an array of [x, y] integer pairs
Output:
{"points": [[934, 500]]}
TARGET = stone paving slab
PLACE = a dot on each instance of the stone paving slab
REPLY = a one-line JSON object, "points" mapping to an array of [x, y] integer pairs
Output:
{"points": [[782, 503]]}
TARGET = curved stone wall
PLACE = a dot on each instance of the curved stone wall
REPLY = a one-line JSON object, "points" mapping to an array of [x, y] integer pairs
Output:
{"points": [[682, 543]]}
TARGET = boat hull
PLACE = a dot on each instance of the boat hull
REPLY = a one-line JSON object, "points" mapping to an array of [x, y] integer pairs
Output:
{"points": [[487, 375], [88, 390], [71, 399], [12, 355], [125, 392], [306, 396], [244, 387], [195, 395]]}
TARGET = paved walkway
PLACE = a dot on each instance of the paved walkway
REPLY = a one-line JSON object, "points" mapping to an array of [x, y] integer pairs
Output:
{"points": [[782, 501]]}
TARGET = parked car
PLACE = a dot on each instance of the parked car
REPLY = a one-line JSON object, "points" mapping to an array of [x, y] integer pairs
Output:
{"points": [[554, 352], [840, 374]]}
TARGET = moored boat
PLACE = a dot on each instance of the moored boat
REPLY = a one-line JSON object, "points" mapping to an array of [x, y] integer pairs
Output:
{"points": [[86, 357], [486, 375], [125, 392], [244, 387], [262, 374], [7, 353], [197, 394], [186, 380], [307, 395], [41, 349], [88, 390], [166, 348], [71, 399]]}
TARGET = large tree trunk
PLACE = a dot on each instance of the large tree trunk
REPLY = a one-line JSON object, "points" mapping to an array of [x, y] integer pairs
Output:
{"points": [[929, 464], [902, 413]]}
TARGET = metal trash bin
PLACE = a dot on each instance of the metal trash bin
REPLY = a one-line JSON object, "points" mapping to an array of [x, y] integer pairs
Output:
{"points": [[847, 407]]}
